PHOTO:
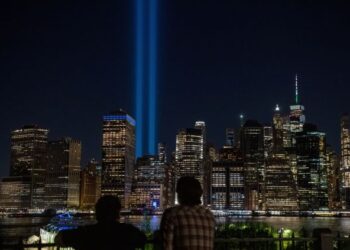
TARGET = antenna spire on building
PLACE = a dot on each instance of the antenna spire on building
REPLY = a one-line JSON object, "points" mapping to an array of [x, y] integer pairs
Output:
{"points": [[296, 89]]}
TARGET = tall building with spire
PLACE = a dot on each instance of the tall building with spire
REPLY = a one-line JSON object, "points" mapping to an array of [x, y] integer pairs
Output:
{"points": [[296, 117], [118, 155]]}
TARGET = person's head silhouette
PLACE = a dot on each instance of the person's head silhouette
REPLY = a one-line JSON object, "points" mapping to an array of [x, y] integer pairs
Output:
{"points": [[107, 208], [189, 191]]}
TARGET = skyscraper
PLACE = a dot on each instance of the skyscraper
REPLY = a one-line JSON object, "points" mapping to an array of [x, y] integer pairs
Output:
{"points": [[189, 153], [62, 188], [277, 131], [230, 137], [162, 152], [252, 147], [90, 184], [296, 117], [148, 184], [227, 183], [29, 158], [280, 188], [118, 155], [311, 169], [345, 160]]}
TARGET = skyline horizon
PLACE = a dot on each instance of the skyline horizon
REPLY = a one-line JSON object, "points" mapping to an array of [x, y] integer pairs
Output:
{"points": [[218, 145]]}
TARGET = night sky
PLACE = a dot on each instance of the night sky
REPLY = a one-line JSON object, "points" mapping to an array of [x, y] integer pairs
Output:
{"points": [[63, 64]]}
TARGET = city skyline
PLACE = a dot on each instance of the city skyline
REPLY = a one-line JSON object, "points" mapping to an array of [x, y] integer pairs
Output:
{"points": [[63, 73]]}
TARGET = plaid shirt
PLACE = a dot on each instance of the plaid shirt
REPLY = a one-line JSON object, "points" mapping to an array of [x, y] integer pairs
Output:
{"points": [[188, 227]]}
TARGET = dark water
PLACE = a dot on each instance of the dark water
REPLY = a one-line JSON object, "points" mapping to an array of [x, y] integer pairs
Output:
{"points": [[24, 227]]}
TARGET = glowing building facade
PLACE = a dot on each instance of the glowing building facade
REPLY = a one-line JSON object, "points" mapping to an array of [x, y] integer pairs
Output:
{"points": [[280, 189], [118, 155], [90, 185], [15, 193], [311, 169], [252, 148], [227, 185], [62, 187], [345, 160], [148, 184], [189, 154], [29, 159]]}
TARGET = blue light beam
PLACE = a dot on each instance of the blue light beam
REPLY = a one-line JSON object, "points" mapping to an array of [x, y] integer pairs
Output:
{"points": [[152, 76], [139, 75]]}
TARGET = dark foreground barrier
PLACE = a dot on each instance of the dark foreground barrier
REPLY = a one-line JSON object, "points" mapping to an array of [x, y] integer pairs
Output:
{"points": [[323, 241]]}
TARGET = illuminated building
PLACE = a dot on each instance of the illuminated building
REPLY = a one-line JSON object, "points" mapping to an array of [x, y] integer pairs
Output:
{"points": [[334, 179], [15, 193], [345, 160], [29, 158], [162, 152], [62, 189], [278, 131], [191, 157], [189, 153], [296, 117], [118, 155], [90, 185], [311, 169], [268, 140], [148, 184], [169, 186], [280, 189], [252, 148], [227, 185], [230, 137]]}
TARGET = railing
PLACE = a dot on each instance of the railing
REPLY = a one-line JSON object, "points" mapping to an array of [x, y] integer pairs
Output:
{"points": [[232, 243]]}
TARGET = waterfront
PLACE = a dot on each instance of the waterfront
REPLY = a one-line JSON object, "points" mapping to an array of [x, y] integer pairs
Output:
{"points": [[15, 228]]}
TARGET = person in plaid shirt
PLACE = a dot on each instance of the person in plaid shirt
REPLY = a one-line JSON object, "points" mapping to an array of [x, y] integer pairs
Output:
{"points": [[188, 225]]}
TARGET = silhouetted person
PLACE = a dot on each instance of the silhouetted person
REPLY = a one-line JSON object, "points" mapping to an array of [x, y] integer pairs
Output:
{"points": [[107, 233], [188, 225]]}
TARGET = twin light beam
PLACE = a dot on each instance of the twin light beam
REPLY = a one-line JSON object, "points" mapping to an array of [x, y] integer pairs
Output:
{"points": [[146, 75]]}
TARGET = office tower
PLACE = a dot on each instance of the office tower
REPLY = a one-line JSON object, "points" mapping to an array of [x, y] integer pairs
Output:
{"points": [[296, 117], [334, 179], [311, 169], [345, 160], [15, 193], [190, 156], [230, 137], [287, 135], [169, 185], [29, 158], [189, 153], [280, 189], [62, 189], [268, 140], [90, 185], [118, 155], [162, 152], [227, 185], [252, 147], [148, 183], [277, 131]]}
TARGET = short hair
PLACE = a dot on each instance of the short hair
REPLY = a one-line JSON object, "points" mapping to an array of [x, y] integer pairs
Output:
{"points": [[189, 191], [107, 208]]}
